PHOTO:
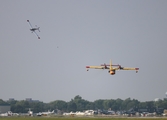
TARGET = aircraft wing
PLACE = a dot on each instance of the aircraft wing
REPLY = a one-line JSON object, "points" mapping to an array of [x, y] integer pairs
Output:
{"points": [[117, 68], [109, 65], [97, 67], [101, 67], [36, 34], [29, 24], [124, 68]]}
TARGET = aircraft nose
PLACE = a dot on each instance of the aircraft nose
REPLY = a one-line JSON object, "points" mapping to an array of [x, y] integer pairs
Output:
{"points": [[87, 67]]}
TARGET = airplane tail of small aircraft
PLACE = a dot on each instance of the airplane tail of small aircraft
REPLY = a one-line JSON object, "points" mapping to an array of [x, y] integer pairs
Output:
{"points": [[38, 29]]}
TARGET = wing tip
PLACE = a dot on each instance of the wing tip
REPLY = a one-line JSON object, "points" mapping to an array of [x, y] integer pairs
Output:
{"points": [[137, 68]]}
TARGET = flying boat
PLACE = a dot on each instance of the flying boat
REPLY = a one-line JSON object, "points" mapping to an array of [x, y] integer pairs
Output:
{"points": [[111, 68]]}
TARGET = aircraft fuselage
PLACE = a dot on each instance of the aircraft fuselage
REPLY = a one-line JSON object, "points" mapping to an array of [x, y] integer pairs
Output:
{"points": [[33, 29]]}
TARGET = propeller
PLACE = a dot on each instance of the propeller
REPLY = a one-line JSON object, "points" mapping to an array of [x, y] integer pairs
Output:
{"points": [[105, 66]]}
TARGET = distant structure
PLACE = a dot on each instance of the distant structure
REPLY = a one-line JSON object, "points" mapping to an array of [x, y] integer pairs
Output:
{"points": [[166, 95], [156, 99], [11, 99], [29, 99], [4, 108]]}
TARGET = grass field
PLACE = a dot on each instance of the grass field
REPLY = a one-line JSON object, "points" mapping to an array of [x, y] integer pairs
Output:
{"points": [[78, 118]]}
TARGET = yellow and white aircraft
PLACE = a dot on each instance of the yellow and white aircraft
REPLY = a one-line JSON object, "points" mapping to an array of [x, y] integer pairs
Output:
{"points": [[112, 70]]}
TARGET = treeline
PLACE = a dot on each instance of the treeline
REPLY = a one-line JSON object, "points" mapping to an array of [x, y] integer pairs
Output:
{"points": [[79, 104]]}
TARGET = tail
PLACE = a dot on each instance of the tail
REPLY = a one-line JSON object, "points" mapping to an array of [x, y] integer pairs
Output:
{"points": [[38, 29], [111, 65], [112, 70]]}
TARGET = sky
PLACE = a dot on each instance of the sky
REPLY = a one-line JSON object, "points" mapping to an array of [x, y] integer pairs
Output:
{"points": [[78, 33]]}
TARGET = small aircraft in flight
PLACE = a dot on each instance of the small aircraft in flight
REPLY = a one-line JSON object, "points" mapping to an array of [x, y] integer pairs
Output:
{"points": [[34, 29], [112, 70]]}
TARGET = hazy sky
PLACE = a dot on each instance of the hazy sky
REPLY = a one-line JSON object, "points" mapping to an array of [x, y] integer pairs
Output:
{"points": [[77, 33]]}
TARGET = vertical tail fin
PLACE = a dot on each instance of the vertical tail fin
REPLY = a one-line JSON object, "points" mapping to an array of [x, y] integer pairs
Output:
{"points": [[38, 29], [111, 65]]}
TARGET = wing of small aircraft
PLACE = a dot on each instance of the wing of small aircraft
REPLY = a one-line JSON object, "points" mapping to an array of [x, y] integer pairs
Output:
{"points": [[36, 34], [29, 24]]}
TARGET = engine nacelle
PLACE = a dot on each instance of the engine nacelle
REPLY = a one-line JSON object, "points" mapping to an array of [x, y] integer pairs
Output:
{"points": [[87, 68], [112, 72]]}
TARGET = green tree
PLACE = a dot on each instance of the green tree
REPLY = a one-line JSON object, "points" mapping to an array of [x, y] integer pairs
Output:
{"points": [[3, 102], [81, 103], [111, 104], [71, 106], [58, 104], [99, 104], [90, 106], [37, 106]]}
